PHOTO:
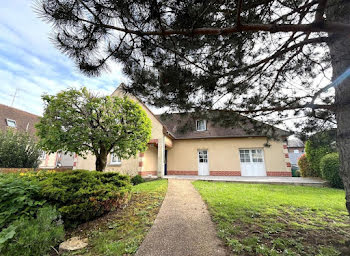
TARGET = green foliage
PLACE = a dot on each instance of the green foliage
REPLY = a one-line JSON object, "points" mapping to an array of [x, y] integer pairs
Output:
{"points": [[19, 198], [77, 121], [318, 146], [137, 179], [32, 236], [18, 150], [305, 168], [82, 195], [330, 170]]}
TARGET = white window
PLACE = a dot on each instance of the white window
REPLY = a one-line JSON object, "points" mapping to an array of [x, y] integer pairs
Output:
{"points": [[201, 125], [11, 123], [203, 156], [296, 151], [42, 155], [115, 159], [244, 155], [257, 156]]}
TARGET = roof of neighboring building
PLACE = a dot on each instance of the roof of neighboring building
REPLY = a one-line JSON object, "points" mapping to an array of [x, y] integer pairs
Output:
{"points": [[293, 142], [183, 126], [24, 121]]}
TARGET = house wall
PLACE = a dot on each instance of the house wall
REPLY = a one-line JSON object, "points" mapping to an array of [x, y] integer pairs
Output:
{"points": [[149, 162], [223, 156], [127, 166], [49, 162]]}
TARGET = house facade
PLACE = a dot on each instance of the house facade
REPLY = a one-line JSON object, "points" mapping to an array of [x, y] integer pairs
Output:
{"points": [[19, 120], [296, 149], [204, 148]]}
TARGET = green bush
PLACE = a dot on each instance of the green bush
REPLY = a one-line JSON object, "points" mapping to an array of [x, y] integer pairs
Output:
{"points": [[19, 198], [305, 168], [318, 146], [32, 236], [330, 170], [137, 179], [18, 150], [82, 195]]}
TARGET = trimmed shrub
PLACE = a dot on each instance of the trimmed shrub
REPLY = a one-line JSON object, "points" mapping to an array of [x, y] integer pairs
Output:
{"points": [[18, 150], [19, 198], [305, 169], [137, 179], [32, 236], [317, 146], [82, 195], [330, 170]]}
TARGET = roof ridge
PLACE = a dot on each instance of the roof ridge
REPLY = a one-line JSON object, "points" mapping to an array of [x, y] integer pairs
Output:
{"points": [[17, 109]]}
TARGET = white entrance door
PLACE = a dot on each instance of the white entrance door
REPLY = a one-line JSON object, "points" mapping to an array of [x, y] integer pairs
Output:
{"points": [[203, 167], [252, 162]]}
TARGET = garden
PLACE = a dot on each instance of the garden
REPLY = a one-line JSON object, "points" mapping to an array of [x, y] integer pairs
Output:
{"points": [[38, 210]]}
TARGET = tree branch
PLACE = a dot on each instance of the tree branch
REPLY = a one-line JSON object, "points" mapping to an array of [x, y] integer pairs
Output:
{"points": [[330, 27]]}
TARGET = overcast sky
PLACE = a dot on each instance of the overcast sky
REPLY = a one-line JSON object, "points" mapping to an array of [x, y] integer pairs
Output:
{"points": [[31, 63]]}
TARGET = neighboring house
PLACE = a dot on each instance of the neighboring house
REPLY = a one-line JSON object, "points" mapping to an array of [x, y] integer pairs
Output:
{"points": [[296, 149], [202, 149], [13, 118]]}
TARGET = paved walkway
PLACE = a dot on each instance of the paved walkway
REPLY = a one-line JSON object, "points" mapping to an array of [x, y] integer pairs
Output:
{"points": [[261, 180], [183, 226]]}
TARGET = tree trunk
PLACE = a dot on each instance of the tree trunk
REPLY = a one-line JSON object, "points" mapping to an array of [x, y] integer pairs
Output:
{"points": [[101, 160], [340, 54]]}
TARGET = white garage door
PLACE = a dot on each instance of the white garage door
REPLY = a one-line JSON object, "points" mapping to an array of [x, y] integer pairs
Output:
{"points": [[252, 162]]}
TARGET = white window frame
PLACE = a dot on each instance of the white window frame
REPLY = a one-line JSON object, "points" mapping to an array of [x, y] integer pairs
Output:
{"points": [[251, 158], [118, 162], [201, 129], [200, 152], [9, 121], [296, 151]]}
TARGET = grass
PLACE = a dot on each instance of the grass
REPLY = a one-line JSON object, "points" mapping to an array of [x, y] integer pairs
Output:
{"points": [[272, 220], [121, 232]]}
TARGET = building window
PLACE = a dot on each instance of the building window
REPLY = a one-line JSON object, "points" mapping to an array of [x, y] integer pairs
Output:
{"points": [[296, 151], [115, 159], [257, 155], [42, 155], [201, 125], [11, 123], [244, 155], [203, 156]]}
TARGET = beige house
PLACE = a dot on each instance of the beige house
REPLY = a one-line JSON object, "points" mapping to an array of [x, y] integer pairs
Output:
{"points": [[13, 118], [201, 149]]}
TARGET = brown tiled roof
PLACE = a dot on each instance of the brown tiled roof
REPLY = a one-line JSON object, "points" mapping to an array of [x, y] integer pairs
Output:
{"points": [[183, 126], [24, 121]]}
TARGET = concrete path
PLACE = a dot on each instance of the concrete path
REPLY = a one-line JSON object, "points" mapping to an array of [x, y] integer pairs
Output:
{"points": [[183, 226], [316, 182]]}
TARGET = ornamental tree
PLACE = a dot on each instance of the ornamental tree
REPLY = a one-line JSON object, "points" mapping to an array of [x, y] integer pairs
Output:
{"points": [[18, 150], [78, 121], [258, 58]]}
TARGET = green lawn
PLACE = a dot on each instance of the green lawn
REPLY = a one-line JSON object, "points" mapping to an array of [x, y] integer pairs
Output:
{"points": [[278, 220], [122, 232]]}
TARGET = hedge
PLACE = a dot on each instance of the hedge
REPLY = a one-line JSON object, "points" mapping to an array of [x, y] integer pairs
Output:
{"points": [[330, 170], [319, 145], [305, 168], [82, 195]]}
